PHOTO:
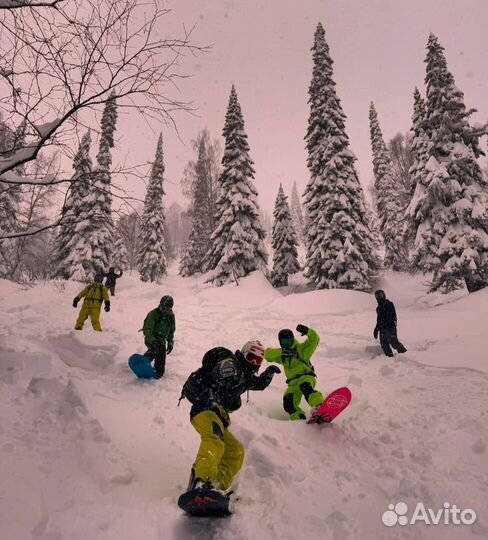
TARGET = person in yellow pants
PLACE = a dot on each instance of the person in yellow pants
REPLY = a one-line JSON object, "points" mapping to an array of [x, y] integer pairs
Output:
{"points": [[93, 294], [221, 455], [214, 391]]}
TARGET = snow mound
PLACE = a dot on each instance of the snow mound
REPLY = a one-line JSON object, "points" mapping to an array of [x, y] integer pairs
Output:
{"points": [[253, 291]]}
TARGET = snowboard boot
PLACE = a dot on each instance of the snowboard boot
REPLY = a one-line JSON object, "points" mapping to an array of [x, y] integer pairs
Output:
{"points": [[402, 349], [322, 419], [198, 483], [313, 411], [315, 419]]}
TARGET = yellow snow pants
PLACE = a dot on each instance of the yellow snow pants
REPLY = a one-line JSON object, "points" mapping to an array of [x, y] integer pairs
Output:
{"points": [[221, 455], [92, 310]]}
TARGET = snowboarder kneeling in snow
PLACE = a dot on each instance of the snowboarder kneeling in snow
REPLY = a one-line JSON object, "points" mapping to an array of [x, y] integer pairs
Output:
{"points": [[300, 375], [159, 331], [214, 391], [94, 294], [386, 325]]}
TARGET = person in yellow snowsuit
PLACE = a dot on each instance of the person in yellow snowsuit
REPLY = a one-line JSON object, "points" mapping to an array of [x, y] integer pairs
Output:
{"points": [[300, 375], [94, 294]]}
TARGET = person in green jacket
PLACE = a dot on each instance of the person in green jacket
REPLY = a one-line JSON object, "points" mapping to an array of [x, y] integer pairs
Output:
{"points": [[300, 375], [159, 331]]}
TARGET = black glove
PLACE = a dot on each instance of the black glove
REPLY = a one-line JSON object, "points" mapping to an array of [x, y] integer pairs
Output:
{"points": [[169, 348], [75, 301], [272, 369], [302, 329], [375, 332], [107, 306]]}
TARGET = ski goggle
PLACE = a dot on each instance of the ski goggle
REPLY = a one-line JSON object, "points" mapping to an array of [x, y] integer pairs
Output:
{"points": [[254, 359], [287, 342]]}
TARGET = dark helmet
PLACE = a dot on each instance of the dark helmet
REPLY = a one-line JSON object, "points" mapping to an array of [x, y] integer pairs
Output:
{"points": [[380, 295], [286, 337], [166, 302], [214, 356], [98, 277], [111, 269]]}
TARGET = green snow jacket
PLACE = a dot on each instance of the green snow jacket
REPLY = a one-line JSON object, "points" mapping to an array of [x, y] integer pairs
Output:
{"points": [[298, 362], [160, 326]]}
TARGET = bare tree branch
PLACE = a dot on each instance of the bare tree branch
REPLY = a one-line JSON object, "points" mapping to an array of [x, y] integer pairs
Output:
{"points": [[57, 63]]}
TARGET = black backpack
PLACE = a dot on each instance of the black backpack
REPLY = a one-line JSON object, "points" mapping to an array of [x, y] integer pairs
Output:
{"points": [[212, 357]]}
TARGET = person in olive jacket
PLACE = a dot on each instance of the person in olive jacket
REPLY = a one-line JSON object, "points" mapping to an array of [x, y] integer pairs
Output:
{"points": [[159, 330], [300, 376]]}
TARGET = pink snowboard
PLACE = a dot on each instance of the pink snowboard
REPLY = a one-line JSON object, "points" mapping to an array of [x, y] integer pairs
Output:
{"points": [[333, 405]]}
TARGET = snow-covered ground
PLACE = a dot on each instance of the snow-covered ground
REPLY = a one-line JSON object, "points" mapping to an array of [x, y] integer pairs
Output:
{"points": [[89, 452]]}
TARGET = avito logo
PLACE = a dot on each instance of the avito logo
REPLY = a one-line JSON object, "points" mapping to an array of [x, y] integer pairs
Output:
{"points": [[447, 515]]}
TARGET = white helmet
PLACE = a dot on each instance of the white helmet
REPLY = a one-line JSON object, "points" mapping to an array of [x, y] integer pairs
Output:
{"points": [[253, 352]]}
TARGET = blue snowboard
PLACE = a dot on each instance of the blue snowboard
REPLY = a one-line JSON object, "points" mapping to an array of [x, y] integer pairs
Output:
{"points": [[141, 366]]}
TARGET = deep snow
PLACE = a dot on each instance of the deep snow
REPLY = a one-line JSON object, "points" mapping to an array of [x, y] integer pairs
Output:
{"points": [[89, 452]]}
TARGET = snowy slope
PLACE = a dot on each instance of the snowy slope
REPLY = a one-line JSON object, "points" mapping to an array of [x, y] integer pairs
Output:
{"points": [[87, 451]]}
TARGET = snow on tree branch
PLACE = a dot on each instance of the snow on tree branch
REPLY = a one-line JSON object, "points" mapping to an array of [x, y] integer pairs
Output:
{"points": [[16, 4], [57, 63]]}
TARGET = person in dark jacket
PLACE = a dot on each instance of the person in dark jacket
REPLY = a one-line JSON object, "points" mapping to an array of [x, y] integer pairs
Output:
{"points": [[214, 391], [159, 331], [386, 325], [111, 280]]}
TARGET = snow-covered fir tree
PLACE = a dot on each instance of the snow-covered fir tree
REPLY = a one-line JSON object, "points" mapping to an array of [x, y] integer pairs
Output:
{"points": [[450, 205], [101, 237], [10, 197], [284, 243], [120, 257], [152, 254], [420, 150], [9, 202], [195, 250], [207, 162], [374, 227], [237, 242], [420, 143], [340, 247], [198, 245], [186, 267], [297, 213], [84, 257], [70, 245], [388, 194]]}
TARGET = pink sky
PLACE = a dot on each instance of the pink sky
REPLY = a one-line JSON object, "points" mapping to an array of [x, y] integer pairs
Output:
{"points": [[263, 47]]}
